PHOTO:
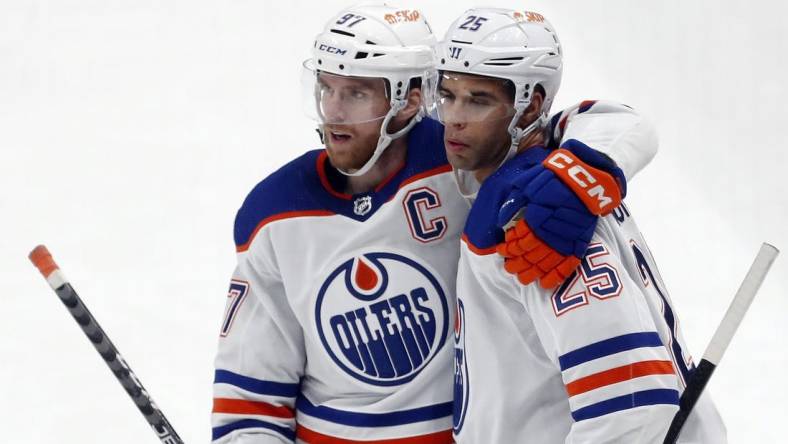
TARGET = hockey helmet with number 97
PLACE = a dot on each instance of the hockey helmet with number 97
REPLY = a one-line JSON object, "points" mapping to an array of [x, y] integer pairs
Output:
{"points": [[376, 43]]}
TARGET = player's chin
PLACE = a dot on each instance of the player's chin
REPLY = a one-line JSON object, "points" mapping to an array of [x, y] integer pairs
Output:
{"points": [[460, 161], [343, 159]]}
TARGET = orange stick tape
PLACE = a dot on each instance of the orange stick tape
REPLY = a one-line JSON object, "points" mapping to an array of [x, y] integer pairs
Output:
{"points": [[41, 258]]}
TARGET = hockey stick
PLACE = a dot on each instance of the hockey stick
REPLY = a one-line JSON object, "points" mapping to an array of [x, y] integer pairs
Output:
{"points": [[722, 338], [46, 265]]}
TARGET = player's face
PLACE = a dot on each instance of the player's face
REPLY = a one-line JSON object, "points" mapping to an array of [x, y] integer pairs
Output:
{"points": [[352, 110], [476, 112]]}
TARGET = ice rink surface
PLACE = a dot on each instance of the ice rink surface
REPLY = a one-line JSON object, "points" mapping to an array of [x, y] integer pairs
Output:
{"points": [[130, 132]]}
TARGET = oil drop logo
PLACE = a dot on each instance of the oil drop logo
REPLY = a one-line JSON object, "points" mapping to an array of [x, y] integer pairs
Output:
{"points": [[382, 317]]}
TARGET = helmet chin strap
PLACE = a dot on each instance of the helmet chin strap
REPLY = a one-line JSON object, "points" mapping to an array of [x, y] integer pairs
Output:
{"points": [[518, 133], [385, 138], [467, 184]]}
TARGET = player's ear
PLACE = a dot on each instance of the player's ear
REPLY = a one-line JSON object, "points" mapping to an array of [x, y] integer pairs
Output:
{"points": [[534, 108], [415, 99]]}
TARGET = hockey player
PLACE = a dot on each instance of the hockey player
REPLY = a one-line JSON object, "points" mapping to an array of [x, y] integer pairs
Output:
{"points": [[339, 311], [601, 358]]}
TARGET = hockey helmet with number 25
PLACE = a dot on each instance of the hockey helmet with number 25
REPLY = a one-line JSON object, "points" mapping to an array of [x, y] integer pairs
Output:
{"points": [[521, 47]]}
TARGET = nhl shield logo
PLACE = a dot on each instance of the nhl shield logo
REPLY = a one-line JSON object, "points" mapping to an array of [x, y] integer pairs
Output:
{"points": [[382, 317], [362, 205], [461, 387]]}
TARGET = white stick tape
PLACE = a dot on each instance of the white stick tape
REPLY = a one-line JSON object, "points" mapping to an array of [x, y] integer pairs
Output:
{"points": [[56, 279], [741, 302]]}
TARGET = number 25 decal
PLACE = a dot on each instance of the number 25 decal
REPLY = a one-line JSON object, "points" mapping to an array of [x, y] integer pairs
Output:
{"points": [[600, 280], [473, 23]]}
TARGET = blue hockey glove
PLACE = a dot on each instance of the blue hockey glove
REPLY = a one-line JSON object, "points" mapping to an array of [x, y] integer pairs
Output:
{"points": [[551, 213]]}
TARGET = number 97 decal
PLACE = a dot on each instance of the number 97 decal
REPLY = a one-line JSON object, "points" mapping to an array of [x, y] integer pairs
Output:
{"points": [[599, 279], [347, 17]]}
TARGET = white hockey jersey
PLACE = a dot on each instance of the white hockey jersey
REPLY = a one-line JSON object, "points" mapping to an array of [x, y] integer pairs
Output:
{"points": [[339, 311], [601, 359]]}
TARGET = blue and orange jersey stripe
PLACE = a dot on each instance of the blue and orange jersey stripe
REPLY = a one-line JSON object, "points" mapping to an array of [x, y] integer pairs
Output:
{"points": [[625, 402], [648, 390], [247, 407], [258, 386], [608, 347], [314, 437], [221, 431], [281, 216], [476, 250], [619, 374]]}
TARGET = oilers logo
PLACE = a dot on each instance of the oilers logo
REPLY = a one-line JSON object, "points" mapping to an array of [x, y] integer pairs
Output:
{"points": [[461, 387], [382, 317]]}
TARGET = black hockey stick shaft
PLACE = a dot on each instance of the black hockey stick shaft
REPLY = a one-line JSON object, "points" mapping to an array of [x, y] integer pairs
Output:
{"points": [[722, 338], [43, 261], [700, 377]]}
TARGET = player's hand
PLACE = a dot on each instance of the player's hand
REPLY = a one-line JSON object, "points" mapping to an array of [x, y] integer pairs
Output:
{"points": [[551, 213]]}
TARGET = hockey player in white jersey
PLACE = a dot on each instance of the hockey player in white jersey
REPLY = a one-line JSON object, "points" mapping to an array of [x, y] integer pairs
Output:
{"points": [[600, 359], [337, 326]]}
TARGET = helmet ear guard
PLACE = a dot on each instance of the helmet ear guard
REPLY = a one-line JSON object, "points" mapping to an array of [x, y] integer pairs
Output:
{"points": [[523, 94]]}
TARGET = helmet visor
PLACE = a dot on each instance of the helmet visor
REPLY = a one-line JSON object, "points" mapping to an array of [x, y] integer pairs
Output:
{"points": [[337, 99], [467, 98]]}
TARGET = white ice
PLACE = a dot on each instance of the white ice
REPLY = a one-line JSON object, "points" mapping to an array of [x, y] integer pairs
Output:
{"points": [[130, 132]]}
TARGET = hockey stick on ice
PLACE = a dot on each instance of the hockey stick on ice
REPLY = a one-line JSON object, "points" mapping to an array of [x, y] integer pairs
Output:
{"points": [[46, 265], [722, 338]]}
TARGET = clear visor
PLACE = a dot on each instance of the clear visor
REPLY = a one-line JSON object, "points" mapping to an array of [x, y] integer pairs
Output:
{"points": [[335, 99], [466, 98]]}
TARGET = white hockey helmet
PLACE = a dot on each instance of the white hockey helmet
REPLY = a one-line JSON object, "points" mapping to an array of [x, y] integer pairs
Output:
{"points": [[520, 46], [380, 42]]}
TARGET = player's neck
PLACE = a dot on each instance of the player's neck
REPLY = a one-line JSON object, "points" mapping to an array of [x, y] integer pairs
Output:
{"points": [[536, 137], [387, 164], [483, 172], [533, 139]]}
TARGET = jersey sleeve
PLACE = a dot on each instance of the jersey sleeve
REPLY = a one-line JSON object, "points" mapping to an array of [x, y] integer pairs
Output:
{"points": [[610, 128], [598, 331], [260, 358]]}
